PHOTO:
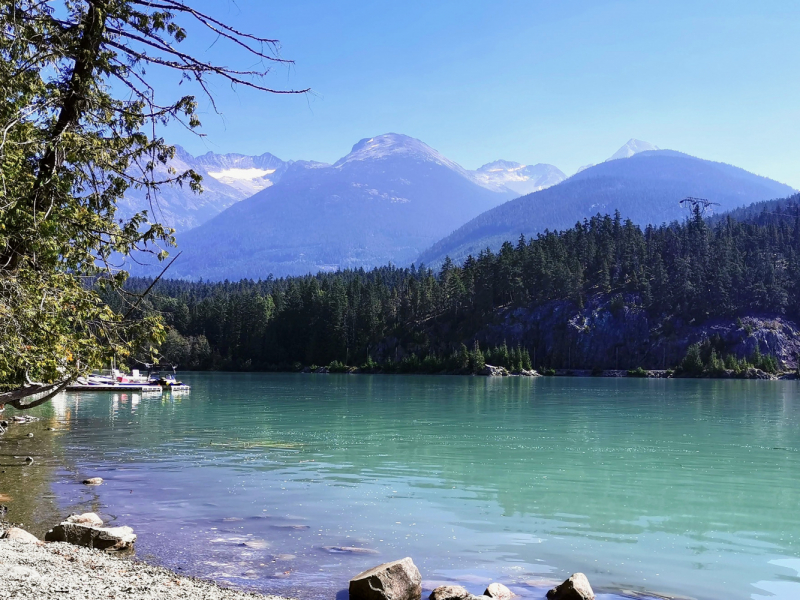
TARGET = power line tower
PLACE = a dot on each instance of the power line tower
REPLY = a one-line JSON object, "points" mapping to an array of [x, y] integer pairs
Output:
{"points": [[697, 204]]}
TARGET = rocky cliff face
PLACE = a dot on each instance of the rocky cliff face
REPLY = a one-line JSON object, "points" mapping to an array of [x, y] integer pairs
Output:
{"points": [[616, 334]]}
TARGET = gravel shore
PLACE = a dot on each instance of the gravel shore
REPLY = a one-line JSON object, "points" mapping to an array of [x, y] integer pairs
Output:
{"points": [[57, 570]]}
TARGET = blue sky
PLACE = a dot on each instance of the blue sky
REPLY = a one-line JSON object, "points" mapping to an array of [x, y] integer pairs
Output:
{"points": [[564, 82]]}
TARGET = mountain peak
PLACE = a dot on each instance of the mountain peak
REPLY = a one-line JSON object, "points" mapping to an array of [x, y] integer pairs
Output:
{"points": [[395, 144], [633, 146], [500, 165]]}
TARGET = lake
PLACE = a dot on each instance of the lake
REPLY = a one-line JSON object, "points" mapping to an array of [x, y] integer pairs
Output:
{"points": [[292, 483]]}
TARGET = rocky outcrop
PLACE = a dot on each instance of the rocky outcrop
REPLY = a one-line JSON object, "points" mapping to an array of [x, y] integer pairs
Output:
{"points": [[607, 333], [398, 580], [450, 592], [498, 591], [492, 371], [112, 539], [575, 588], [19, 535]]}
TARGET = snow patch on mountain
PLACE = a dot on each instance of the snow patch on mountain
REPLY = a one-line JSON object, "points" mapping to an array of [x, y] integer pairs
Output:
{"points": [[633, 146], [519, 178]]}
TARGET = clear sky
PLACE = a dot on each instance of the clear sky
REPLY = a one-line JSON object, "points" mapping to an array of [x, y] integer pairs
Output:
{"points": [[564, 82]]}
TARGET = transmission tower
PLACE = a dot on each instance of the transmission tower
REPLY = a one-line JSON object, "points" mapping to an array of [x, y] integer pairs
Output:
{"points": [[701, 203]]}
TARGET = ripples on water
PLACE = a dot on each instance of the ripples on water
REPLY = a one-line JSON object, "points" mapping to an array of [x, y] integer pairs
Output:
{"points": [[293, 483]]}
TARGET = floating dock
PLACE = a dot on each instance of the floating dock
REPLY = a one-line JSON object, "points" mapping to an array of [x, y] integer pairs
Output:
{"points": [[144, 388]]}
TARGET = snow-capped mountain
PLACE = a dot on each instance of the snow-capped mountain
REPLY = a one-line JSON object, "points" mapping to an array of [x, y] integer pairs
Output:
{"points": [[248, 174], [630, 148], [384, 202], [521, 179], [227, 179], [633, 146]]}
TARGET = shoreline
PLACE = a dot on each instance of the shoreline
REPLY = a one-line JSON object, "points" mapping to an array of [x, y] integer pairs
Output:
{"points": [[493, 371], [57, 569]]}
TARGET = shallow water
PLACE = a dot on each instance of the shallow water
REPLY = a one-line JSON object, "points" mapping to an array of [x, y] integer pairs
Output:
{"points": [[265, 481]]}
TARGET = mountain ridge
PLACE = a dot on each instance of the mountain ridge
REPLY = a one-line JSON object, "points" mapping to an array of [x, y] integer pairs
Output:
{"points": [[645, 187]]}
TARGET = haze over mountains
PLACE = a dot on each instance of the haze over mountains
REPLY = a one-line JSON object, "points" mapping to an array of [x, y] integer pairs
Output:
{"points": [[394, 199], [386, 201]]}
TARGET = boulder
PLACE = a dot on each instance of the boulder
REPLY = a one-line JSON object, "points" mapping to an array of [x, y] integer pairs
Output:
{"points": [[93, 481], [492, 371], [113, 539], [531, 373], [19, 535], [85, 519], [398, 580], [450, 592], [498, 591], [575, 588], [30, 435]]}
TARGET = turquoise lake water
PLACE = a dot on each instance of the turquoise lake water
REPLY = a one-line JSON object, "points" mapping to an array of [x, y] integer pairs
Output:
{"points": [[675, 487]]}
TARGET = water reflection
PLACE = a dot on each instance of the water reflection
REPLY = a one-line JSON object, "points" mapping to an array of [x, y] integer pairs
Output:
{"points": [[291, 483]]}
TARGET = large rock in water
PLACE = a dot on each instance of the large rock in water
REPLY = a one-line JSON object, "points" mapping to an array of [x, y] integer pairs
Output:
{"points": [[86, 519], [450, 592], [398, 580], [19, 535], [575, 588], [114, 539], [498, 591]]}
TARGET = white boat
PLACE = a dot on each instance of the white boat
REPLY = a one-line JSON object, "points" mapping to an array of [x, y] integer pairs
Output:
{"points": [[115, 380]]}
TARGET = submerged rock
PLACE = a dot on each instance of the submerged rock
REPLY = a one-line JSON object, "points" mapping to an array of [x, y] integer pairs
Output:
{"points": [[575, 588], [19, 535], [397, 580], [349, 550], [113, 539], [450, 592], [93, 481], [498, 591]]}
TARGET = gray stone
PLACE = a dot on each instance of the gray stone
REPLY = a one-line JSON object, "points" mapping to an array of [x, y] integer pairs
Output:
{"points": [[492, 371], [498, 591], [398, 580], [93, 481], [575, 588], [114, 539], [20, 535], [90, 519], [450, 592], [30, 435]]}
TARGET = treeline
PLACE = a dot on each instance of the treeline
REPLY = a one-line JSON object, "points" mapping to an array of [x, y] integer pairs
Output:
{"points": [[692, 271]]}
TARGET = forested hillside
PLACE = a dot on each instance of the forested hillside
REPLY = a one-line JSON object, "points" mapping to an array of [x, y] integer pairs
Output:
{"points": [[674, 274], [646, 188]]}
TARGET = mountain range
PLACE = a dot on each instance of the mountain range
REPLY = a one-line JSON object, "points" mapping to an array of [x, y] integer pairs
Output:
{"points": [[386, 201], [229, 178], [646, 187], [394, 199]]}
